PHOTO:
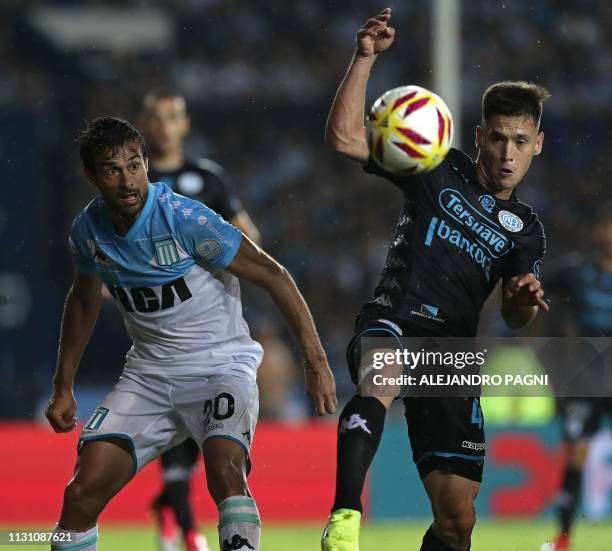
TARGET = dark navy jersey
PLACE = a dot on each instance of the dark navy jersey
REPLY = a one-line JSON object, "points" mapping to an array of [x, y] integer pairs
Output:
{"points": [[203, 180], [586, 291], [452, 244]]}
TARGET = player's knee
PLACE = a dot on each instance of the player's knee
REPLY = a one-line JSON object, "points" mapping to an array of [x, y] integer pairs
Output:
{"points": [[456, 526], [81, 498], [226, 479]]}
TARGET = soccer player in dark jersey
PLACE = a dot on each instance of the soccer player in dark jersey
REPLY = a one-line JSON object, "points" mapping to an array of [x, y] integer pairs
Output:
{"points": [[583, 282], [165, 123], [461, 230]]}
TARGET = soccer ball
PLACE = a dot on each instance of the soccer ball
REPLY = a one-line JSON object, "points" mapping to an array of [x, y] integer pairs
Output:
{"points": [[409, 130]]}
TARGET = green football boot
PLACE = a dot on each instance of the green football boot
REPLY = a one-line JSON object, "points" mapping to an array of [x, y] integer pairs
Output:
{"points": [[342, 531]]}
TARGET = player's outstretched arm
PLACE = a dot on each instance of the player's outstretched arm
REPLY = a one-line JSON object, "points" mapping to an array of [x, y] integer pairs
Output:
{"points": [[522, 295], [253, 264], [345, 132], [80, 314]]}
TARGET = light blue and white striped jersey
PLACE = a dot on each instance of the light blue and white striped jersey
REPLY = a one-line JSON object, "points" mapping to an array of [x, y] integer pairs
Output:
{"points": [[181, 309]]}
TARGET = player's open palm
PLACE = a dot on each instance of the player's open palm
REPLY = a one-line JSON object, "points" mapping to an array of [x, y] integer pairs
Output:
{"points": [[61, 411], [321, 387], [376, 35]]}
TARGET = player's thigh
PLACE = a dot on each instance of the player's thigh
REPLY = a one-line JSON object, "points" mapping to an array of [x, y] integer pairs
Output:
{"points": [[103, 467], [139, 411], [452, 496], [370, 358], [447, 434], [222, 406]]}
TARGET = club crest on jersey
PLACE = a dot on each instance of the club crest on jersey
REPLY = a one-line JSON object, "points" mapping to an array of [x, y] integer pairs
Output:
{"points": [[166, 252], [510, 221], [487, 202]]}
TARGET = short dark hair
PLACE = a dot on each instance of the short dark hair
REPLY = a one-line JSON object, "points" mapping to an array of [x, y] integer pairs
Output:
{"points": [[107, 133], [514, 98], [156, 94]]}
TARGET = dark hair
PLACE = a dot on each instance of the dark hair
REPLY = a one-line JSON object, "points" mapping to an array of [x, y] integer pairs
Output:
{"points": [[107, 133], [161, 93], [514, 99]]}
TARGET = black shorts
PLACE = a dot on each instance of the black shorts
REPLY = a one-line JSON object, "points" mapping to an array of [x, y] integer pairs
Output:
{"points": [[581, 417], [445, 434]]}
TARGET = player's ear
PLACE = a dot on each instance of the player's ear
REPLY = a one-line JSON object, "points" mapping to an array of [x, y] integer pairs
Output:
{"points": [[91, 177], [539, 143], [479, 134]]}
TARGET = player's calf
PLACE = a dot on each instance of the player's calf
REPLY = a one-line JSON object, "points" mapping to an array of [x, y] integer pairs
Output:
{"points": [[452, 502], [239, 523]]}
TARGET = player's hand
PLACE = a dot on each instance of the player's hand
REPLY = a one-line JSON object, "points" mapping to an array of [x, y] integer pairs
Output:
{"points": [[376, 35], [525, 290], [61, 411], [321, 387]]}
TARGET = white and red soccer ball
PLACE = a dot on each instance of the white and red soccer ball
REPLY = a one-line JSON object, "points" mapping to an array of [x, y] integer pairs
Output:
{"points": [[409, 130]]}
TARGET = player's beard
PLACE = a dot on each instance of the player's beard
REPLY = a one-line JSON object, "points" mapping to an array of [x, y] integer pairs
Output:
{"points": [[129, 211]]}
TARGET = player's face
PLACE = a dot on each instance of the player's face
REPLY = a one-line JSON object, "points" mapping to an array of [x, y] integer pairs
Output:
{"points": [[165, 124], [121, 178], [506, 146]]}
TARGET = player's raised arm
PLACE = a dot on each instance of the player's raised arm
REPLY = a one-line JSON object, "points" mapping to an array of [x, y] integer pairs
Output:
{"points": [[253, 264], [80, 314], [345, 132]]}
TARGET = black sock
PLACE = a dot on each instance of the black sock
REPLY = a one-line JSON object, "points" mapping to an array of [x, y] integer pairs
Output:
{"points": [[161, 500], [359, 430], [432, 543], [567, 501], [178, 498]]}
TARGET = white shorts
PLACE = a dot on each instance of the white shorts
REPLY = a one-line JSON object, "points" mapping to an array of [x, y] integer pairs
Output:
{"points": [[155, 413]]}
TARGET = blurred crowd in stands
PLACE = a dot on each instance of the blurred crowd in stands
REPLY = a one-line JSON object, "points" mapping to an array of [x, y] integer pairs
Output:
{"points": [[259, 77]]}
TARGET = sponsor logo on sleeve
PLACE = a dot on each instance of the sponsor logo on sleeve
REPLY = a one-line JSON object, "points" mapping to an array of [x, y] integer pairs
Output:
{"points": [[537, 266], [209, 249]]}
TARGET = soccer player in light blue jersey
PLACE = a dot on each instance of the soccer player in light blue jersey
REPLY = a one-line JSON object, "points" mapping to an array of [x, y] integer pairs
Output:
{"points": [[172, 265]]}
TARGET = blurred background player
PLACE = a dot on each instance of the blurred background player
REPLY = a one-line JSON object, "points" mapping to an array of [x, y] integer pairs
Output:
{"points": [[426, 268], [165, 124], [582, 284]]}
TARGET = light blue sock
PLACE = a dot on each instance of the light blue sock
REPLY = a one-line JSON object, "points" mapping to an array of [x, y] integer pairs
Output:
{"points": [[67, 540], [239, 524]]}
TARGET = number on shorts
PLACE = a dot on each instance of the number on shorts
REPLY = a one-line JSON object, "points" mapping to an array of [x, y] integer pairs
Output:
{"points": [[222, 408], [477, 414], [96, 419]]}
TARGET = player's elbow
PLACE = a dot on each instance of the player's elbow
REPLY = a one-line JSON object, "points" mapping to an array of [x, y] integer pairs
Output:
{"points": [[347, 143], [272, 276]]}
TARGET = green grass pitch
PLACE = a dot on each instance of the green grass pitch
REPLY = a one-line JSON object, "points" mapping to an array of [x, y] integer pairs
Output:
{"points": [[524, 535]]}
